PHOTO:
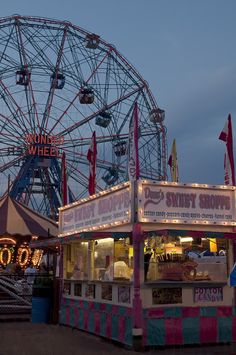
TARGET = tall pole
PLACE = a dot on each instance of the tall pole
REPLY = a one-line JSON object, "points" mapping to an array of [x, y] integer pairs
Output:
{"points": [[137, 245]]}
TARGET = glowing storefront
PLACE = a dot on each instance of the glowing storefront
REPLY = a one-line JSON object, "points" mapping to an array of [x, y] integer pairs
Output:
{"points": [[147, 263]]}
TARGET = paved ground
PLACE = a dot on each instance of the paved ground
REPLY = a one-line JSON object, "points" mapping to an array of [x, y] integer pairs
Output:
{"points": [[41, 339]]}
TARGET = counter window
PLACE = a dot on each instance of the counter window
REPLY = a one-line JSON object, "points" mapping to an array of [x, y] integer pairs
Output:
{"points": [[185, 259], [113, 260], [77, 261], [103, 259]]}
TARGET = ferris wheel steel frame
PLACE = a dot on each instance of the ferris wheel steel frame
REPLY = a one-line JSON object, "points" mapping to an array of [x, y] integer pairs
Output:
{"points": [[56, 80]]}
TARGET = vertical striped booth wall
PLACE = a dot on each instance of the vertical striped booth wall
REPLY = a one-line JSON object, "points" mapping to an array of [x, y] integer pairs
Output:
{"points": [[189, 325], [103, 319]]}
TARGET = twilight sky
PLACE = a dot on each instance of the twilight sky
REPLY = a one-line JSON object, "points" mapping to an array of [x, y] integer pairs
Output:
{"points": [[184, 49]]}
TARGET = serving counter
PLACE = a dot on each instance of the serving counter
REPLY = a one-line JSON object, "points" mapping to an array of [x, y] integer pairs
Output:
{"points": [[147, 264]]}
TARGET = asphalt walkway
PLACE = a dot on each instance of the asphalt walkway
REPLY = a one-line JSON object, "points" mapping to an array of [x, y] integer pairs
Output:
{"points": [[42, 339]]}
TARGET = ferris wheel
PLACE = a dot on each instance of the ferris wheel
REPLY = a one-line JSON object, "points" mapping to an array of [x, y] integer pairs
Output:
{"points": [[58, 84]]}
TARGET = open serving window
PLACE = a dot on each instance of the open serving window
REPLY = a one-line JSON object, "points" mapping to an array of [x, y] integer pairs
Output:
{"points": [[99, 260], [169, 258]]}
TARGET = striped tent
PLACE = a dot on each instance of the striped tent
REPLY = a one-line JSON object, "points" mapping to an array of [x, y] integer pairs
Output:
{"points": [[17, 219]]}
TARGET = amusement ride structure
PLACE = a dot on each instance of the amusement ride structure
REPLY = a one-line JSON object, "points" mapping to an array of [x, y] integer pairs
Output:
{"points": [[58, 84]]}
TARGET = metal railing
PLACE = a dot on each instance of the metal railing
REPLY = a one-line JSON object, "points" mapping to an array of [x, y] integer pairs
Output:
{"points": [[16, 292]]}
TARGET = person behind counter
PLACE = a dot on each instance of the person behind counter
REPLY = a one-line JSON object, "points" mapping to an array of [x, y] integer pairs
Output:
{"points": [[147, 257], [77, 272]]}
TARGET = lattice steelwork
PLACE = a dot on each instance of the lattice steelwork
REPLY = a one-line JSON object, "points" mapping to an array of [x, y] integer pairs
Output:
{"points": [[56, 79]]}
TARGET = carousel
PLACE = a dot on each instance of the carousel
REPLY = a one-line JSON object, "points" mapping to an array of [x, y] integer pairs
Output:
{"points": [[19, 225]]}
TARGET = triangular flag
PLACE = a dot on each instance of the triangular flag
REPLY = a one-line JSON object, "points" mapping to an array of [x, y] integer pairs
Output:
{"points": [[133, 161], [173, 163], [227, 137], [92, 157]]}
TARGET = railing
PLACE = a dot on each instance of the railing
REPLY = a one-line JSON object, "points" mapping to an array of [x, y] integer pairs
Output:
{"points": [[16, 291]]}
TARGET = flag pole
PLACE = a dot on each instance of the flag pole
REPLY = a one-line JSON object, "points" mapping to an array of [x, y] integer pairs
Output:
{"points": [[64, 191], [173, 163], [137, 233], [92, 158], [133, 163]]}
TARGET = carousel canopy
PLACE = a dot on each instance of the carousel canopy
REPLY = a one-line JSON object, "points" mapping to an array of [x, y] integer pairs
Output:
{"points": [[18, 219]]}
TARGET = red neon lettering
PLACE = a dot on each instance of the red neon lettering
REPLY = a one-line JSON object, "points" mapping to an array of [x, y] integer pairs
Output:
{"points": [[32, 150]]}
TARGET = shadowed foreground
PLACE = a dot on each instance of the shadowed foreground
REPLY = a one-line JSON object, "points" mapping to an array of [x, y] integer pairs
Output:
{"points": [[42, 339]]}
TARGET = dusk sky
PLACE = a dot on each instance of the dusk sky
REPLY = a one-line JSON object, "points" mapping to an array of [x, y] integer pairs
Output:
{"points": [[184, 49]]}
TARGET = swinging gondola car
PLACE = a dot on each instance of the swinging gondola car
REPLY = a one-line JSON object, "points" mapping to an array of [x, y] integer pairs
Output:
{"points": [[23, 77], [58, 80], [157, 115], [111, 176], [120, 148], [92, 41], [103, 119], [86, 96]]}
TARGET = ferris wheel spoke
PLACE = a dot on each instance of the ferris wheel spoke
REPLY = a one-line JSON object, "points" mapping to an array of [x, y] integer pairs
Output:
{"points": [[40, 52], [10, 149], [86, 141], [89, 118], [9, 125], [3, 56], [98, 66], [79, 176], [11, 122], [81, 158], [74, 53], [10, 164], [29, 93], [54, 81], [15, 108]]}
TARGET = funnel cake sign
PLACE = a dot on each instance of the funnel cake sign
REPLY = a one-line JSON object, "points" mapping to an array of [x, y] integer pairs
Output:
{"points": [[186, 203]]}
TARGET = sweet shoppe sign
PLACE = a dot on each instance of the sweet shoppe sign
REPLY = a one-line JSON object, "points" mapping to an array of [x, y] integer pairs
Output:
{"points": [[158, 202], [102, 211]]}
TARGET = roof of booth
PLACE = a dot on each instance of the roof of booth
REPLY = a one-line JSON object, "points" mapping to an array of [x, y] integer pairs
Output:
{"points": [[17, 219]]}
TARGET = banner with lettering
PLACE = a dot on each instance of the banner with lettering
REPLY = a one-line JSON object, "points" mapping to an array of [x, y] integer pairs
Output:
{"points": [[109, 209], [185, 204]]}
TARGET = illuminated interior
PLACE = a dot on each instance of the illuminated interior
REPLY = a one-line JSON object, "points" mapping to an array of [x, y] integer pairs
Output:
{"points": [[103, 260], [186, 259]]}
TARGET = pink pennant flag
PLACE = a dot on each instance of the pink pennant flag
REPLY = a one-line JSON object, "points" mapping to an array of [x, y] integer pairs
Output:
{"points": [[133, 165], [227, 137], [64, 188], [92, 157]]}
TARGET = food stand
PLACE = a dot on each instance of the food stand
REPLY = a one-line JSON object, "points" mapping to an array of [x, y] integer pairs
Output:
{"points": [[146, 263]]}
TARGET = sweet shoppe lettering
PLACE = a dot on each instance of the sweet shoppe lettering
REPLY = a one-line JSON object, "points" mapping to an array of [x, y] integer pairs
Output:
{"points": [[170, 202], [105, 209]]}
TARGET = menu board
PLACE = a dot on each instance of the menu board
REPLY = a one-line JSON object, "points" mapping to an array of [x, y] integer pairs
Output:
{"points": [[78, 289], [167, 295], [90, 291], [124, 294], [107, 292]]}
